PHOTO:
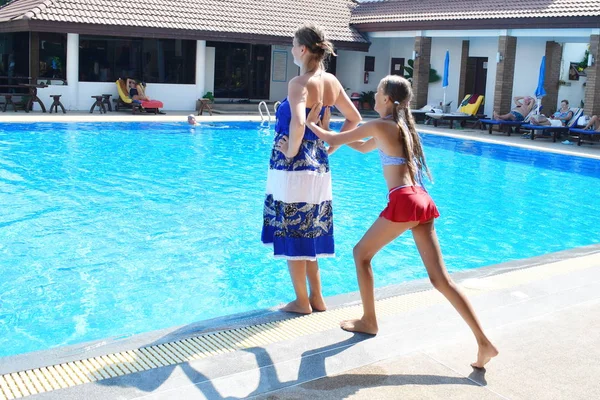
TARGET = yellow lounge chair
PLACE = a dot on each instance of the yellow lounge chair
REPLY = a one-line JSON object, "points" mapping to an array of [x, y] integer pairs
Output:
{"points": [[138, 105], [467, 111]]}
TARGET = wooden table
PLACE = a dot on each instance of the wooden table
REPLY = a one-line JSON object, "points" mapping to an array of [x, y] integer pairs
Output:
{"points": [[33, 87], [32, 93]]}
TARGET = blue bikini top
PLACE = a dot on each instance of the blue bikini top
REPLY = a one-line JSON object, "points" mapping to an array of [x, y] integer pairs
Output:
{"points": [[391, 160]]}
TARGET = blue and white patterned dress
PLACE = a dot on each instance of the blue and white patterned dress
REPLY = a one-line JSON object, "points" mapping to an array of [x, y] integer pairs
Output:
{"points": [[298, 218]]}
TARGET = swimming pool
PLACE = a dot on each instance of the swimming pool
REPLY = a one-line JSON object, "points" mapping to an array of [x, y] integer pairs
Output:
{"points": [[113, 229]]}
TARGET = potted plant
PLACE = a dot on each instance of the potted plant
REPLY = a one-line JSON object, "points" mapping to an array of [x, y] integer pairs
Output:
{"points": [[408, 72], [367, 99], [210, 96]]}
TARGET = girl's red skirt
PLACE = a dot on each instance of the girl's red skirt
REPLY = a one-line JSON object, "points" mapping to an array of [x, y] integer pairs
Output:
{"points": [[410, 203]]}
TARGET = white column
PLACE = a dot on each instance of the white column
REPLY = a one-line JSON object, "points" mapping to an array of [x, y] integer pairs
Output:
{"points": [[200, 67], [72, 70]]}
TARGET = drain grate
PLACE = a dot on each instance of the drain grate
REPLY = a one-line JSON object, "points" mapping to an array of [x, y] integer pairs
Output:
{"points": [[20, 384]]}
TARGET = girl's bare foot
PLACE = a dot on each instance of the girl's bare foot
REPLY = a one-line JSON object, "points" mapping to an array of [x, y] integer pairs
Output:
{"points": [[317, 302], [360, 325], [485, 353], [294, 307]]}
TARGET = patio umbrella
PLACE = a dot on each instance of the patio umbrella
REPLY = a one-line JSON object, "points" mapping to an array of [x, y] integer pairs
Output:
{"points": [[540, 91], [445, 79]]}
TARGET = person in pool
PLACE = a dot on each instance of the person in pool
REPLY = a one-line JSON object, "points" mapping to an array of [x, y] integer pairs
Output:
{"points": [[192, 120], [409, 206], [524, 105], [298, 215]]}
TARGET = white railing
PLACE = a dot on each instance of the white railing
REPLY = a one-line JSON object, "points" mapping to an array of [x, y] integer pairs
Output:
{"points": [[262, 116]]}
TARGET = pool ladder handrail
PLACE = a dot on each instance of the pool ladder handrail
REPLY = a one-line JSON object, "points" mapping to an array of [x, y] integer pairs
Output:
{"points": [[262, 117], [275, 106]]}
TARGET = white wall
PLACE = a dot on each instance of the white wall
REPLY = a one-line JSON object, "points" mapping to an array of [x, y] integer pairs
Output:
{"points": [[209, 77], [351, 65], [575, 93], [174, 97], [278, 90], [435, 94], [486, 47], [527, 66], [350, 69]]}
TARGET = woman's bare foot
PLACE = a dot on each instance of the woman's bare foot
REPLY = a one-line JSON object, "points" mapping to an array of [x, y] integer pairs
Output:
{"points": [[294, 307], [317, 303], [360, 325], [485, 353]]}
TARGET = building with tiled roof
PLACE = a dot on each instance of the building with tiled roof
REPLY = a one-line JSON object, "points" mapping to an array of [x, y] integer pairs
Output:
{"points": [[488, 14], [239, 49], [265, 22]]}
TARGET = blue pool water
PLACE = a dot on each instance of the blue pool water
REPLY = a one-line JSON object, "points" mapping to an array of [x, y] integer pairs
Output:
{"points": [[119, 228]]}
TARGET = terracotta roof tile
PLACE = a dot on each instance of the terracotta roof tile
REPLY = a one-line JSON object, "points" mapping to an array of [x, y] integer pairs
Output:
{"points": [[439, 10], [259, 17]]}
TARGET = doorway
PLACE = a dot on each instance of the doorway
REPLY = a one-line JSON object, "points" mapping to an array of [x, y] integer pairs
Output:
{"points": [[397, 66], [242, 71], [476, 77]]}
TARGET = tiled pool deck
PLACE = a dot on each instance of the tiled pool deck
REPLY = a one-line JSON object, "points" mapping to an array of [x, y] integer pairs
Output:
{"points": [[543, 314]]}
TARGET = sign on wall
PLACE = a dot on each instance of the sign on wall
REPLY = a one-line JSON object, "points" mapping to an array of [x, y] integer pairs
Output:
{"points": [[280, 66]]}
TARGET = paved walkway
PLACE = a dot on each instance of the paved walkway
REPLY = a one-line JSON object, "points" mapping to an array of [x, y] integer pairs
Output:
{"points": [[547, 330]]}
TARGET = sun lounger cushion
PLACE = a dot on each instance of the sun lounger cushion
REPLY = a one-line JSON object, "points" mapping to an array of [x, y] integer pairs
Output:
{"points": [[152, 104], [122, 89], [584, 131]]}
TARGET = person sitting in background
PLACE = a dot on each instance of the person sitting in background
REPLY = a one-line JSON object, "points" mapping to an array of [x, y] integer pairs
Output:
{"points": [[593, 123], [134, 93], [559, 118], [524, 104]]}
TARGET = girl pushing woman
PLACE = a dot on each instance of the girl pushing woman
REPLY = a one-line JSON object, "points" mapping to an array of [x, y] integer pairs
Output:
{"points": [[409, 207]]}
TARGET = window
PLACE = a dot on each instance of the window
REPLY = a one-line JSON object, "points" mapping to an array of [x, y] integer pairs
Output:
{"points": [[14, 55], [105, 59], [242, 71], [53, 55], [369, 64]]}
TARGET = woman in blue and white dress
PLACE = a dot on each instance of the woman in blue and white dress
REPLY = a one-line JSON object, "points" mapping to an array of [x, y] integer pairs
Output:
{"points": [[298, 217]]}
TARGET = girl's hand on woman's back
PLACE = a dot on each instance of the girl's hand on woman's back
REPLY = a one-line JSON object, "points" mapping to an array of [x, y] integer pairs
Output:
{"points": [[314, 114]]}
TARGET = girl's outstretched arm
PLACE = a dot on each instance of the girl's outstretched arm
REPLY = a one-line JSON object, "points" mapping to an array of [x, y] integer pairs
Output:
{"points": [[370, 129], [364, 146]]}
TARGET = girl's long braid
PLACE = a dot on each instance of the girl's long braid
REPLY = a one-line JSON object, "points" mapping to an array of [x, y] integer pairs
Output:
{"points": [[417, 147], [400, 92], [407, 145]]}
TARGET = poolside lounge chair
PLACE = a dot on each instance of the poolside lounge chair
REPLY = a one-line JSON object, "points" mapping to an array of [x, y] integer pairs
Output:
{"points": [[419, 115], [585, 135], [466, 111], [509, 124], [124, 101], [554, 132]]}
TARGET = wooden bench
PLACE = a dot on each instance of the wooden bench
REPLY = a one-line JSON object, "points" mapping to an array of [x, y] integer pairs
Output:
{"points": [[203, 104], [15, 105], [56, 104], [98, 103]]}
